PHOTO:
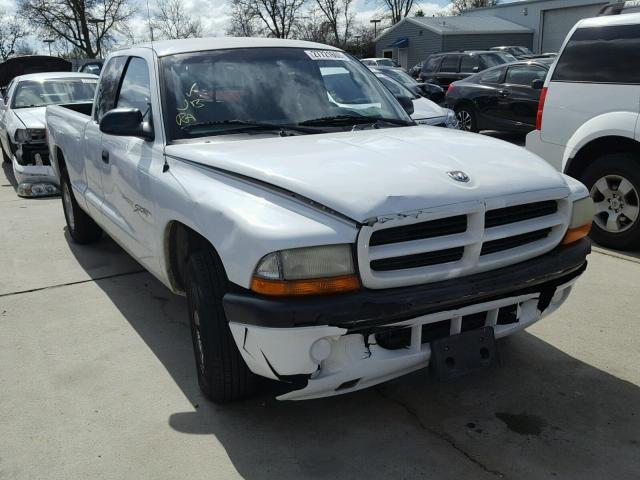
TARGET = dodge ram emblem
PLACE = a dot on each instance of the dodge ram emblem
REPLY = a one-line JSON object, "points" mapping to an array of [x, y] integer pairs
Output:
{"points": [[458, 176]]}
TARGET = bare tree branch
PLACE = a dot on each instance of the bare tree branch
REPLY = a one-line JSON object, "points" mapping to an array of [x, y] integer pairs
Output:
{"points": [[172, 21], [86, 25], [12, 31], [459, 6]]}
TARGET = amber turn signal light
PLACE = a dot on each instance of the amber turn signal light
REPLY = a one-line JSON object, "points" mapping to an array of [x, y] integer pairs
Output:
{"points": [[575, 234], [313, 286]]}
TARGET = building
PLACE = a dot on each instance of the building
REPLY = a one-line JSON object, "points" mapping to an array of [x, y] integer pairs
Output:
{"points": [[411, 40], [550, 20], [540, 25]]}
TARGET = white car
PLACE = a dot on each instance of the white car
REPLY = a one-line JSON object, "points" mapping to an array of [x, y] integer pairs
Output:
{"points": [[343, 91], [380, 62], [588, 122], [425, 112], [22, 129], [326, 248]]}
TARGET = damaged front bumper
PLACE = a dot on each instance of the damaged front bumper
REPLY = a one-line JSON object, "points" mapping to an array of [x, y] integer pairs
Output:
{"points": [[37, 178], [331, 345]]}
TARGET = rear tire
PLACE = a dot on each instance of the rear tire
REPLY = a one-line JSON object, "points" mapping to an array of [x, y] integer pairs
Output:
{"points": [[82, 228], [613, 181], [467, 119], [223, 375]]}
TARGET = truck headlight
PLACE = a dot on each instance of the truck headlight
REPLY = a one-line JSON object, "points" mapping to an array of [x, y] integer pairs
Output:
{"points": [[306, 271], [26, 135], [451, 121], [581, 217]]}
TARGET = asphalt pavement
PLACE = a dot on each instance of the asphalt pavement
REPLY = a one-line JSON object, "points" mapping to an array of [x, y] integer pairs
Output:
{"points": [[97, 382]]}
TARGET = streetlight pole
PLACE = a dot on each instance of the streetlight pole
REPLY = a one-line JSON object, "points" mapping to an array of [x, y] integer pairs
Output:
{"points": [[375, 22], [49, 41], [96, 22]]}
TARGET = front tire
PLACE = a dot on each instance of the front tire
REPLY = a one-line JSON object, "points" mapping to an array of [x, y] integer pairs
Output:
{"points": [[613, 181], [5, 158], [467, 119], [223, 375], [81, 226]]}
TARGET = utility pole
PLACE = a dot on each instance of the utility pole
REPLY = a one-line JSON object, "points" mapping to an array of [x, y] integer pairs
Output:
{"points": [[375, 22], [49, 41]]}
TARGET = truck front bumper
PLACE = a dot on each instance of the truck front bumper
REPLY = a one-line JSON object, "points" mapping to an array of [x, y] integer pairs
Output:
{"points": [[336, 344], [35, 180]]}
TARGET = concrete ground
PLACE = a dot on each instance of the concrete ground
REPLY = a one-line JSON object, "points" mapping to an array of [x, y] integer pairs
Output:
{"points": [[97, 381]]}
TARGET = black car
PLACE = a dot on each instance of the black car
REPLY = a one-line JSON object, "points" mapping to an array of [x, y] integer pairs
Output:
{"points": [[522, 53], [446, 67], [500, 98], [433, 92]]}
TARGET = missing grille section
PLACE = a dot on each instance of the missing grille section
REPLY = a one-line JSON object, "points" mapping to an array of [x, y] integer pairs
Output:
{"points": [[518, 213], [394, 338], [508, 314], [420, 231], [512, 242], [418, 260]]}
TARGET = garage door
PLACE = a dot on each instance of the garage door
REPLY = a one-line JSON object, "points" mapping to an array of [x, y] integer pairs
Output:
{"points": [[557, 23]]}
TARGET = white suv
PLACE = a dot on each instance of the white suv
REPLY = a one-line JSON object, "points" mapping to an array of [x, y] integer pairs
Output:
{"points": [[587, 124]]}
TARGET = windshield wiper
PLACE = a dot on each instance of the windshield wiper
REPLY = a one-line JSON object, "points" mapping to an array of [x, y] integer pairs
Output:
{"points": [[354, 120], [246, 125]]}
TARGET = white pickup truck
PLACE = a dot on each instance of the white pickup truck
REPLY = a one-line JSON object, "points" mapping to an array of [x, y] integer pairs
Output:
{"points": [[324, 245]]}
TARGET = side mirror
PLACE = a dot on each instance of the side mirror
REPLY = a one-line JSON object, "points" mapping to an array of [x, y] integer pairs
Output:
{"points": [[406, 103], [475, 69], [537, 84], [126, 122]]}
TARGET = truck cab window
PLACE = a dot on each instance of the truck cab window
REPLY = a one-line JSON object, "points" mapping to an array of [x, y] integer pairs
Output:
{"points": [[108, 86], [135, 91]]}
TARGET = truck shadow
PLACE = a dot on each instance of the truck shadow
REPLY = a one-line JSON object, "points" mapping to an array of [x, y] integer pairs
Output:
{"points": [[540, 413]]}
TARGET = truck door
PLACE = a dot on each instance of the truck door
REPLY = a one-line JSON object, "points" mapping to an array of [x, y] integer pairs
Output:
{"points": [[94, 164], [127, 182]]}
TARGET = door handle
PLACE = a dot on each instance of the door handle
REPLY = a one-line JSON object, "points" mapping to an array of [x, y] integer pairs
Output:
{"points": [[504, 93], [105, 156]]}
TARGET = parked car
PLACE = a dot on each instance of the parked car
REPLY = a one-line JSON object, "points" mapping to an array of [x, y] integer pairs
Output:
{"points": [[433, 92], [22, 127], [94, 67], [519, 52], [380, 62], [500, 98], [446, 67], [616, 8], [425, 111], [327, 248], [588, 123]]}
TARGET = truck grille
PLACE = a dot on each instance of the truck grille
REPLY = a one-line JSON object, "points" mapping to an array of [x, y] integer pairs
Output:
{"points": [[460, 240]]}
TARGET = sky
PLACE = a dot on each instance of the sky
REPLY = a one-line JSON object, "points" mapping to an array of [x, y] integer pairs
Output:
{"points": [[215, 18]]}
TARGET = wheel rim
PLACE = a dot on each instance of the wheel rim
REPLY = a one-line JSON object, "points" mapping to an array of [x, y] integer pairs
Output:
{"points": [[68, 207], [617, 203], [464, 119], [198, 341]]}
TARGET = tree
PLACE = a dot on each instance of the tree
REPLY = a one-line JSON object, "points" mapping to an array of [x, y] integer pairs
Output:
{"points": [[339, 18], [398, 9], [313, 27], [243, 20], [459, 6], [86, 25], [12, 33], [274, 18], [172, 21]]}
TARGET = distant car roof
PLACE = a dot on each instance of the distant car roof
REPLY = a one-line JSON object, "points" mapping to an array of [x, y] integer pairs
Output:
{"points": [[52, 75], [172, 47]]}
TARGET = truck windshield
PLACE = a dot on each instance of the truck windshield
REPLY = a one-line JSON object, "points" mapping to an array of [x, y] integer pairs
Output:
{"points": [[32, 93], [223, 91]]}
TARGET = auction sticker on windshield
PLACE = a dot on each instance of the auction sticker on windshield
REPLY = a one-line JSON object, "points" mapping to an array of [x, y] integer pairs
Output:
{"points": [[326, 55]]}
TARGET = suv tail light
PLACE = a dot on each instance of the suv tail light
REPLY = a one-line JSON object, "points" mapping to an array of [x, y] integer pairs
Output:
{"points": [[450, 88], [543, 97]]}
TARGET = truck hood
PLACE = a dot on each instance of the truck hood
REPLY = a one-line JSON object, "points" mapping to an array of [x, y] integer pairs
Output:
{"points": [[31, 117], [369, 173]]}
